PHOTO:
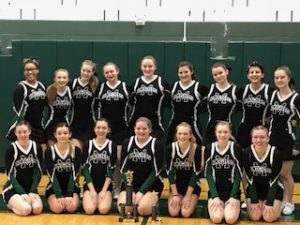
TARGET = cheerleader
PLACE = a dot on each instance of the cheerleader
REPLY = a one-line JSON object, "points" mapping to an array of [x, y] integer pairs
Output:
{"points": [[262, 164], [223, 174], [83, 93], [112, 98], [221, 100], [99, 158], [29, 101], [59, 102], [284, 135], [254, 98], [149, 93], [142, 154], [183, 162], [186, 99], [62, 162], [23, 161]]}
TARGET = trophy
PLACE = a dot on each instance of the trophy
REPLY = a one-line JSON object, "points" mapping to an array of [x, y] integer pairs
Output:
{"points": [[154, 216], [130, 216]]}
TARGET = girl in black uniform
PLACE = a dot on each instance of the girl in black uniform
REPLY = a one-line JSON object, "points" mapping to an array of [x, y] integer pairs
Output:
{"points": [[187, 97], [183, 162], [99, 159], [29, 102], [285, 106], [112, 98], [83, 93], [254, 98], [148, 96], [223, 173], [62, 162], [262, 164], [221, 100], [59, 101], [142, 154], [23, 161]]}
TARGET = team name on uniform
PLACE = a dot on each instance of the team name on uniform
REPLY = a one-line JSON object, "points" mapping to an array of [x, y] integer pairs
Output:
{"points": [[182, 164], [252, 101], [260, 170], [141, 156], [62, 103], [280, 109], [61, 166], [97, 157], [24, 161], [224, 162], [183, 96], [84, 93], [147, 90], [112, 95], [218, 98], [37, 94]]}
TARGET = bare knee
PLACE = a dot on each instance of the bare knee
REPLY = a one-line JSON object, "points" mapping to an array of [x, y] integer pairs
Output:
{"points": [[89, 209], [216, 218], [25, 210], [144, 210]]}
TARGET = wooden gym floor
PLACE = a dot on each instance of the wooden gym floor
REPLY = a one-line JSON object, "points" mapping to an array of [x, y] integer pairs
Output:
{"points": [[46, 218]]}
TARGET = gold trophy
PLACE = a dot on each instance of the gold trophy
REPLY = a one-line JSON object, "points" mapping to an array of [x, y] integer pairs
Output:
{"points": [[130, 216]]}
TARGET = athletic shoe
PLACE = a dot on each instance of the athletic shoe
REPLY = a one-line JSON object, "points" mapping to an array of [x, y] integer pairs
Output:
{"points": [[288, 209], [244, 205]]}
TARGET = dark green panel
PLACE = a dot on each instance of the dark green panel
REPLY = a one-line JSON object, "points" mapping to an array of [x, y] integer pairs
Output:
{"points": [[45, 51], [197, 54], [290, 55], [71, 54], [116, 52], [174, 53], [137, 50], [16, 63], [268, 54], [9, 79], [235, 52]]}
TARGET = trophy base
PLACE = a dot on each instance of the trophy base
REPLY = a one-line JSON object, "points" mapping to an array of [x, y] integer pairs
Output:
{"points": [[130, 216]]}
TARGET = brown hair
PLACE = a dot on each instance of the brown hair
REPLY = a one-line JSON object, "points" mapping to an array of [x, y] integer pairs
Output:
{"points": [[146, 120], [224, 66], [71, 146], [110, 64], [288, 72], [94, 81], [190, 66], [149, 57], [260, 127], [21, 123], [192, 140], [224, 123], [52, 88]]}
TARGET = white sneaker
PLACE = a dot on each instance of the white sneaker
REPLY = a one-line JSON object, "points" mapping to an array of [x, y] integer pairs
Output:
{"points": [[288, 209], [282, 206]]}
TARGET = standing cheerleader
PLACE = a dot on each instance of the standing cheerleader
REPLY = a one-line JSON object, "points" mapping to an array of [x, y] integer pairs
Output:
{"points": [[29, 102], [285, 106], [221, 100], [23, 168], [148, 96], [186, 98], [183, 162], [83, 92], [112, 98], [262, 164], [59, 101], [142, 154], [62, 162], [223, 173], [255, 102], [99, 158]]}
